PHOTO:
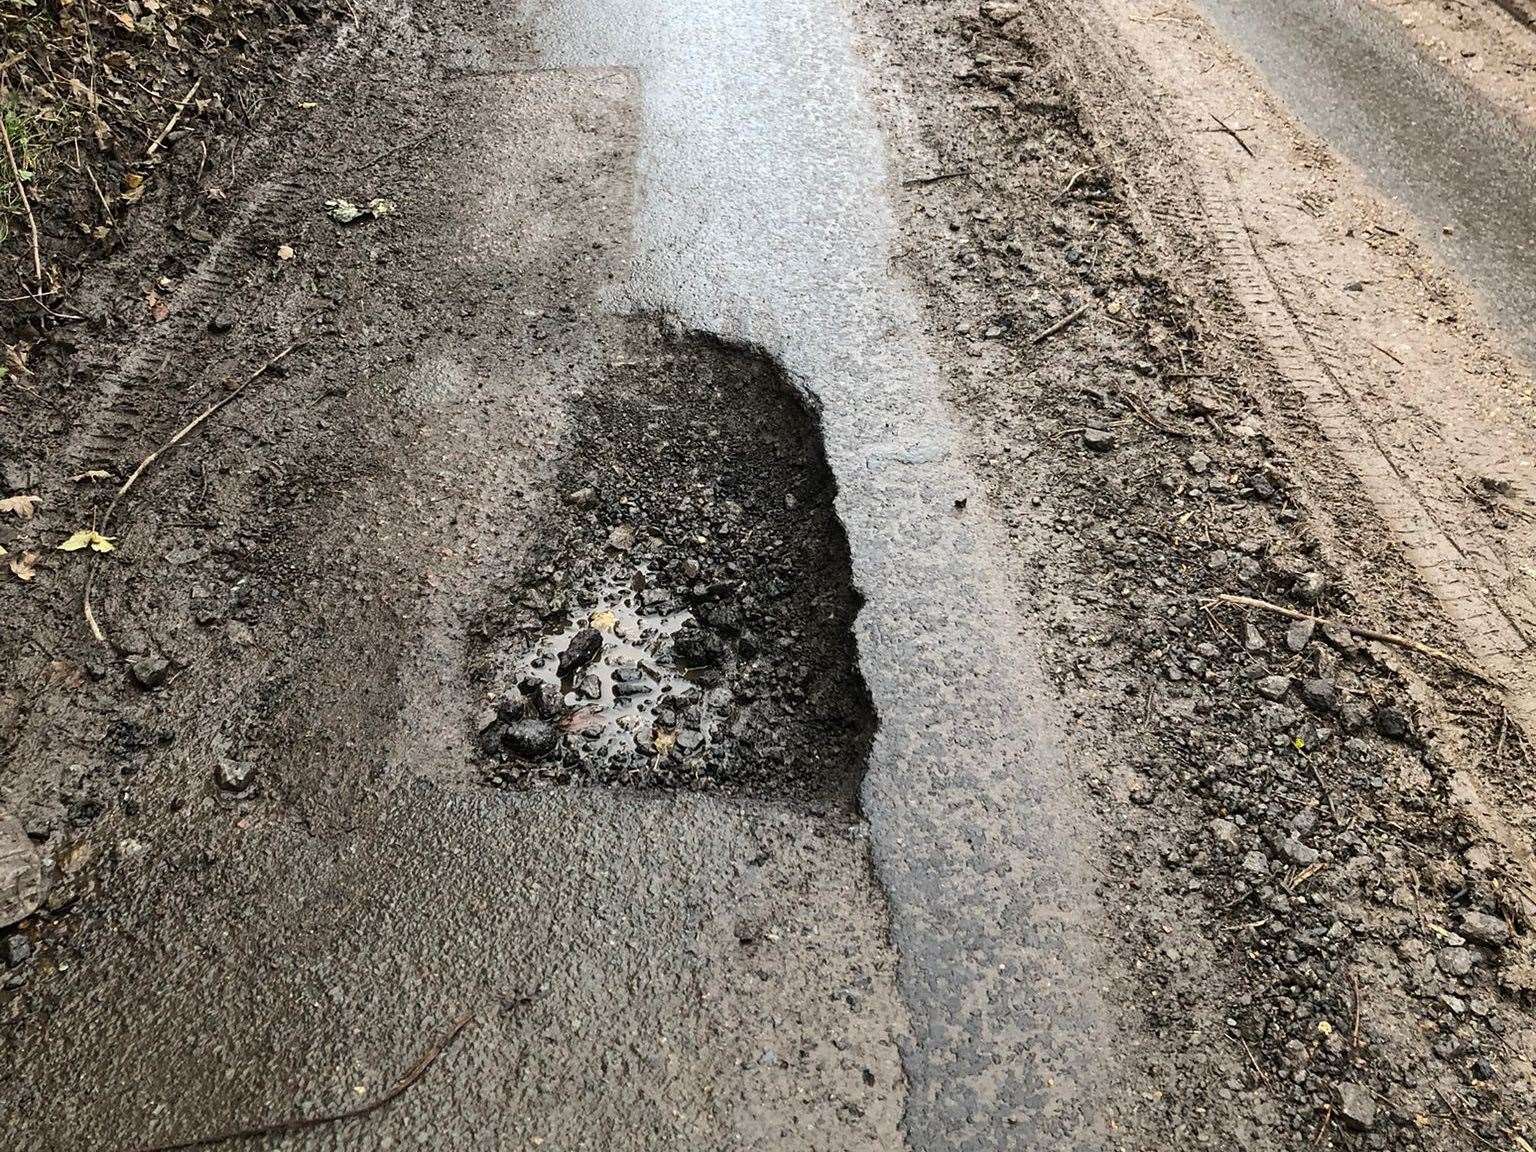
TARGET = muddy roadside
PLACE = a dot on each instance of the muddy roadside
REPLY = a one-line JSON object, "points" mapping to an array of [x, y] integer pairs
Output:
{"points": [[1320, 842]]}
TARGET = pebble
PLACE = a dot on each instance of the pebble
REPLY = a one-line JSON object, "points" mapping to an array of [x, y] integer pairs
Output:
{"points": [[1357, 1105], [1299, 634], [234, 775], [1454, 961], [1485, 929], [1391, 722], [1298, 853], [18, 949], [148, 671], [1320, 695], [580, 651], [530, 739], [1098, 439], [1274, 687], [1309, 587]]}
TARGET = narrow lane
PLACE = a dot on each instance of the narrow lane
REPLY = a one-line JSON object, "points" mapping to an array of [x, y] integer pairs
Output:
{"points": [[762, 217]]}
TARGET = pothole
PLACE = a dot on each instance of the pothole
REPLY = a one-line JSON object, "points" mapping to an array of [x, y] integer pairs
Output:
{"points": [[687, 619]]}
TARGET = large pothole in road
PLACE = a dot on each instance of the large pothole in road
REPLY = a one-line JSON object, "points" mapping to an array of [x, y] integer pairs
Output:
{"points": [[687, 619]]}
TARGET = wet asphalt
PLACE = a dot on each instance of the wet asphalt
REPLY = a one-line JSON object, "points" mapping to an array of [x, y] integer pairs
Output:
{"points": [[1464, 169], [763, 216]]}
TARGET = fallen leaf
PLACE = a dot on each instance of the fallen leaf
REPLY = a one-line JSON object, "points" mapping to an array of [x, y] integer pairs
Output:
{"points": [[23, 506], [604, 621], [346, 212], [87, 537], [93, 474], [21, 566], [284, 252], [665, 742], [158, 308]]}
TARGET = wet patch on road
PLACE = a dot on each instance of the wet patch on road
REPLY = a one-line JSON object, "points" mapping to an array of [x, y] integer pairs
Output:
{"points": [[687, 622]]}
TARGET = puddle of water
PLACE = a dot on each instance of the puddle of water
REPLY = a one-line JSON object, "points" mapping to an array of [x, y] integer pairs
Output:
{"points": [[634, 695]]}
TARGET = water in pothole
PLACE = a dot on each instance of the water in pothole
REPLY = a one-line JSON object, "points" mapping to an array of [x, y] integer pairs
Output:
{"points": [[637, 699]]}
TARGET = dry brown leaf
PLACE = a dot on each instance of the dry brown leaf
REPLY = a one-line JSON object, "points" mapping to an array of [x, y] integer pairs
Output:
{"points": [[93, 474], [284, 252], [158, 308], [22, 566], [23, 506]]}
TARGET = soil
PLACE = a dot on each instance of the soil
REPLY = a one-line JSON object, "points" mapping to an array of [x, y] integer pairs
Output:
{"points": [[336, 615]]}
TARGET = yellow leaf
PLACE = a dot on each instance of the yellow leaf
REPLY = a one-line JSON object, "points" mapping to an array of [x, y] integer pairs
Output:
{"points": [[22, 506], [665, 742], [604, 621], [87, 538]]}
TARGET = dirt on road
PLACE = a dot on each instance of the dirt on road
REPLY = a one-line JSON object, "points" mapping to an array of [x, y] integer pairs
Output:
{"points": [[1124, 745]]}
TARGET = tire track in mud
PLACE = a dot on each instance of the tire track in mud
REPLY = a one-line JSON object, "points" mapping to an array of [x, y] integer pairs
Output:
{"points": [[125, 415], [1480, 597]]}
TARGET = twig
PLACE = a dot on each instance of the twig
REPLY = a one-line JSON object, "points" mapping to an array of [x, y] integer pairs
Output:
{"points": [[37, 252], [1243, 144], [915, 181], [1072, 183], [279, 1127], [1147, 417], [1354, 1030], [1042, 337], [175, 116], [1323, 1127], [1367, 634], [1385, 353], [90, 578]]}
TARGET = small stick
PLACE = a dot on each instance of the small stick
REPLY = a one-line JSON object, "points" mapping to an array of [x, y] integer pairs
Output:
{"points": [[1354, 1030], [1367, 634], [180, 108], [1042, 337], [37, 254], [917, 180], [1243, 144], [90, 578], [278, 1127], [1323, 1127], [1072, 183], [1385, 353], [1140, 410]]}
